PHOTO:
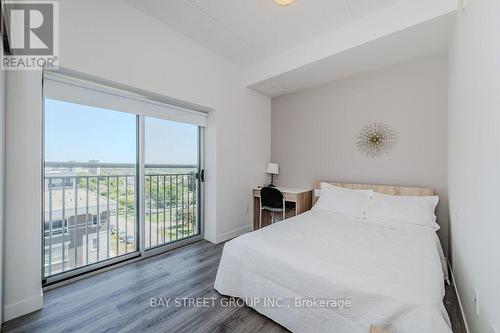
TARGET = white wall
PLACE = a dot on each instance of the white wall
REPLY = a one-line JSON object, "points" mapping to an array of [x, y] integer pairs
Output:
{"points": [[2, 183], [474, 161], [314, 131], [23, 289], [110, 40]]}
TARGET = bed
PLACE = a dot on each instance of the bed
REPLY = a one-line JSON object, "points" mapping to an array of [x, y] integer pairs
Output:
{"points": [[329, 272]]}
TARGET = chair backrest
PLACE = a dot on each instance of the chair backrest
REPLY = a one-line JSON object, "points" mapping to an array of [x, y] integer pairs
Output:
{"points": [[271, 197]]}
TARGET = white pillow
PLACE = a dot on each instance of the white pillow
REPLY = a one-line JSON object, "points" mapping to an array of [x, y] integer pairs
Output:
{"points": [[341, 200], [403, 209]]}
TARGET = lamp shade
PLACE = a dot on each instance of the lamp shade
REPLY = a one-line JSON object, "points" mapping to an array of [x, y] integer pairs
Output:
{"points": [[284, 2], [272, 168]]}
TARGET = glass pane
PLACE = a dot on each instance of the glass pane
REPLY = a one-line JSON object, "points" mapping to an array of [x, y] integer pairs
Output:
{"points": [[89, 185], [171, 187]]}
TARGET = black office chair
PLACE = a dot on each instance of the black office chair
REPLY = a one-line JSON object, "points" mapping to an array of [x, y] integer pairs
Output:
{"points": [[271, 199]]}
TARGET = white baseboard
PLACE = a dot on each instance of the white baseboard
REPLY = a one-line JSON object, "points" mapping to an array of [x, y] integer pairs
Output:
{"points": [[458, 297], [209, 237], [23, 307], [232, 234]]}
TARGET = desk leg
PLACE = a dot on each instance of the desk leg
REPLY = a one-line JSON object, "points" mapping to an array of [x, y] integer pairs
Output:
{"points": [[256, 213]]}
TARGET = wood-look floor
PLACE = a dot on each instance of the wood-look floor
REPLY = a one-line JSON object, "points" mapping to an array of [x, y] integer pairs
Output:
{"points": [[119, 300]]}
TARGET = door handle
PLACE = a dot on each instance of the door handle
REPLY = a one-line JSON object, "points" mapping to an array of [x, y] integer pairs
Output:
{"points": [[201, 175]]}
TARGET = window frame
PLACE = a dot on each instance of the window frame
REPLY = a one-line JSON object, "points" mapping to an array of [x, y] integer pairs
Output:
{"points": [[140, 252]]}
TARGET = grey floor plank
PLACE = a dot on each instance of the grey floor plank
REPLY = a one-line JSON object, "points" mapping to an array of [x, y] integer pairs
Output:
{"points": [[119, 300], [453, 309]]}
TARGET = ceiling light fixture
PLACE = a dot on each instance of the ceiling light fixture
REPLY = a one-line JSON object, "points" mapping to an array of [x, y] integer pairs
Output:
{"points": [[284, 2]]}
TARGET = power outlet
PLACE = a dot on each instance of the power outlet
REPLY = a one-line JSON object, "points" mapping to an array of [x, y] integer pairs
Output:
{"points": [[476, 300]]}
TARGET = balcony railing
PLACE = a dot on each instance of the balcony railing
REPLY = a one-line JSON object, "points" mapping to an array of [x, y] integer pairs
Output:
{"points": [[171, 207], [90, 218]]}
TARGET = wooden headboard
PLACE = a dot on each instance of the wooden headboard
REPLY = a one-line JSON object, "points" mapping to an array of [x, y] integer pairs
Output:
{"points": [[384, 189]]}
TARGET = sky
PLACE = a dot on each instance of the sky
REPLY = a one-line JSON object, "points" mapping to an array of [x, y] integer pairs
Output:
{"points": [[81, 133]]}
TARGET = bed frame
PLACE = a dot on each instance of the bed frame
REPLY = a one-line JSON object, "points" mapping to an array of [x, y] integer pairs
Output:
{"points": [[384, 189]]}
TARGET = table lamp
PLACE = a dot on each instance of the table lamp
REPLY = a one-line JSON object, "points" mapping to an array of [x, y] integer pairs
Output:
{"points": [[272, 169]]}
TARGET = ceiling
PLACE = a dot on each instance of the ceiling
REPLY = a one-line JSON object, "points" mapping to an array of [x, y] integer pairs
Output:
{"points": [[247, 32], [285, 49], [419, 40]]}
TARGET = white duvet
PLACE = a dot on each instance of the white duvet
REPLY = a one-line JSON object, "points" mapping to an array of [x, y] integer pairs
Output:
{"points": [[391, 276]]}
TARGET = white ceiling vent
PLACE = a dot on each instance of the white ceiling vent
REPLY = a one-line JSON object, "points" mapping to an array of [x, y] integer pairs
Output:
{"points": [[272, 89]]}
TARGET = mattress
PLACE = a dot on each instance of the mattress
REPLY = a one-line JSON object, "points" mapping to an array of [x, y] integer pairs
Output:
{"points": [[326, 272]]}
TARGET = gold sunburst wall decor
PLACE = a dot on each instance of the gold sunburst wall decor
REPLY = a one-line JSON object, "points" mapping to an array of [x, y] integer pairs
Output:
{"points": [[376, 139]]}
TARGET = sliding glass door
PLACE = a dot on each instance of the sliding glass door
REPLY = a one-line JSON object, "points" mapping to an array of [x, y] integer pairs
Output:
{"points": [[170, 181], [90, 191], [100, 167]]}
